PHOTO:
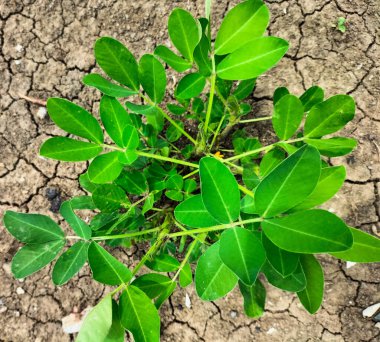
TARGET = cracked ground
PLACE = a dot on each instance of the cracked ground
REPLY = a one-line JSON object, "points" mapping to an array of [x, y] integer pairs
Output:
{"points": [[46, 49]]}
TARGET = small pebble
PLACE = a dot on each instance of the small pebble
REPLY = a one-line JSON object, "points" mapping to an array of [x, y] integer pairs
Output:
{"points": [[7, 268], [19, 48], [20, 291], [233, 314], [371, 310], [187, 301], [41, 113], [3, 309], [271, 331], [350, 264]]}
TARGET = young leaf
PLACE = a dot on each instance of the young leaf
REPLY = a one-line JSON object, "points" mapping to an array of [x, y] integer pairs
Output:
{"points": [[139, 316], [270, 161], [311, 297], [152, 77], [329, 183], [213, 279], [287, 116], [329, 116], [32, 228], [219, 189], [243, 253], [115, 118], [185, 276], [311, 231], [133, 182], [279, 93], [74, 119], [109, 197], [70, 262], [105, 168], [117, 62], [184, 32], [169, 57], [201, 57], [175, 182], [31, 258], [107, 87], [333, 147], [190, 86], [250, 178], [79, 226], [66, 149], [105, 268], [244, 89], [297, 176], [193, 213], [245, 22], [152, 284], [252, 59], [254, 298], [282, 261], [311, 97], [294, 282], [163, 263], [98, 322], [366, 248], [131, 138]]}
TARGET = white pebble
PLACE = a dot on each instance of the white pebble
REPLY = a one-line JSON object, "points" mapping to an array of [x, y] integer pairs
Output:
{"points": [[41, 113], [350, 264], [3, 309], [271, 331], [20, 291], [233, 314], [187, 301], [19, 48], [371, 310]]}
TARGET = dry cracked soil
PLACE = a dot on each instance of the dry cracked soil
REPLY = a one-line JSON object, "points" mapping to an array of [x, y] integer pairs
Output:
{"points": [[46, 49]]}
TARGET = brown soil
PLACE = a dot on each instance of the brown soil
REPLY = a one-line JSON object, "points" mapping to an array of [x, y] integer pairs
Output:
{"points": [[46, 48]]}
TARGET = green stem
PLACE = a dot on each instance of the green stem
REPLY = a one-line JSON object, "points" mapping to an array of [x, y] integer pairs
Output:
{"points": [[184, 261], [191, 174], [217, 131], [246, 191], [126, 235], [168, 159], [211, 98], [214, 228], [263, 118]]}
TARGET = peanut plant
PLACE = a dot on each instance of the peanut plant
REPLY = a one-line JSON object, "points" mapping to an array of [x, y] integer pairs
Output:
{"points": [[218, 203]]}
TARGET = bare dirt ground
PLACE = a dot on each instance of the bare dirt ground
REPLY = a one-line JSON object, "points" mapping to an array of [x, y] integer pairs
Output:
{"points": [[46, 49]]}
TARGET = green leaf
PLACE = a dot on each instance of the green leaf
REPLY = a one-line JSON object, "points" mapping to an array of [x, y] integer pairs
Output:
{"points": [[247, 205], [213, 279], [282, 261], [250, 178], [294, 282], [254, 298], [74, 119], [185, 276], [311, 97], [163, 263], [184, 32], [289, 183], [98, 322], [105, 268], [194, 214], [172, 133], [333, 147], [152, 77], [69, 263], [85, 183], [107, 87], [201, 56], [219, 189], [329, 183], [105, 168], [31, 258], [169, 57], [82, 202], [133, 182], [190, 86], [287, 116], [165, 295], [152, 284], [115, 118], [139, 316], [190, 185], [131, 138], [366, 248], [245, 22], [175, 182], [66, 149], [279, 93], [116, 332], [32, 228], [78, 225], [117, 62], [252, 59], [109, 197], [329, 116], [244, 89], [311, 231], [148, 204], [243, 253], [311, 297], [271, 160]]}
